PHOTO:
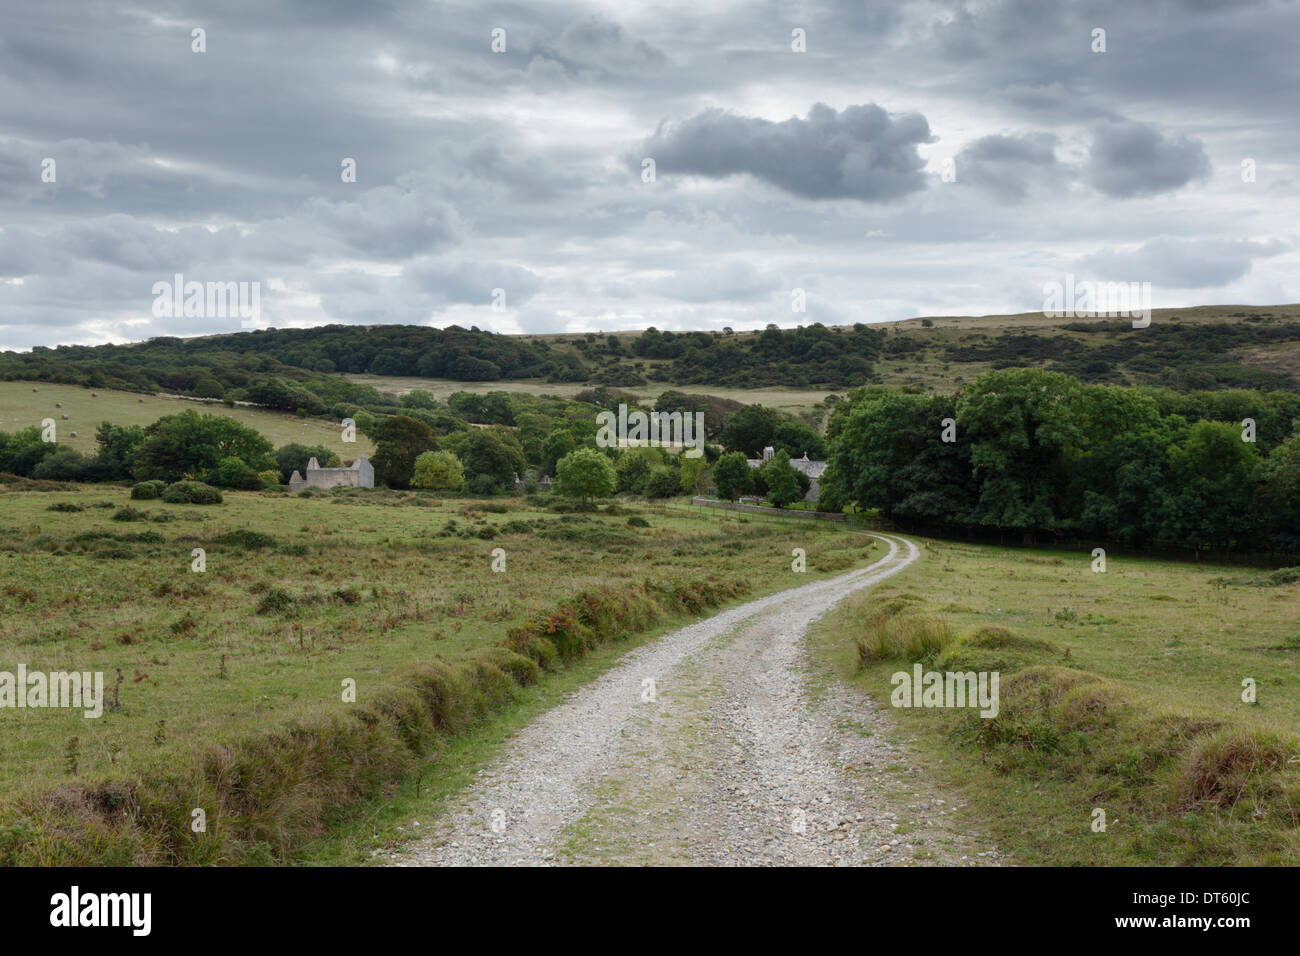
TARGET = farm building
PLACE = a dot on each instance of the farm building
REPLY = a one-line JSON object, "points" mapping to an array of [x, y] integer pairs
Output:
{"points": [[804, 465]]}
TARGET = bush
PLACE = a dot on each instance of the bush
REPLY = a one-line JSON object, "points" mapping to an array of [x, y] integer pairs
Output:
{"points": [[276, 601], [148, 490], [233, 472], [439, 471], [242, 539], [483, 485], [663, 483], [191, 493], [127, 513], [63, 464]]}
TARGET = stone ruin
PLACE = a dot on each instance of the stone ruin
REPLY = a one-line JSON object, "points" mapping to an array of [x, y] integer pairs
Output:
{"points": [[360, 474]]}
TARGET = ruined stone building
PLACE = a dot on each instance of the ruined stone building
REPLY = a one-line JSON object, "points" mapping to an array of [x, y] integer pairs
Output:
{"points": [[360, 474]]}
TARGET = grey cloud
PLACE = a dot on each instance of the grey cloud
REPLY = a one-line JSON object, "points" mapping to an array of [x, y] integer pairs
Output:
{"points": [[471, 282], [597, 45], [1180, 263], [861, 152], [388, 221], [424, 287], [1009, 165], [474, 165], [734, 280], [1135, 159]]}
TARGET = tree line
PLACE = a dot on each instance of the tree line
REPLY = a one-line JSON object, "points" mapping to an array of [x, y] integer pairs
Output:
{"points": [[1032, 454]]}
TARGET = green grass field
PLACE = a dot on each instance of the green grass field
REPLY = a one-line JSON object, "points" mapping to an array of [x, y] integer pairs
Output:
{"points": [[925, 369], [1120, 690], [223, 669], [793, 400], [25, 403]]}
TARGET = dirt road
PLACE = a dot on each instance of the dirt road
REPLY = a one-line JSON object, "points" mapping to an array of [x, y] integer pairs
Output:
{"points": [[711, 745]]}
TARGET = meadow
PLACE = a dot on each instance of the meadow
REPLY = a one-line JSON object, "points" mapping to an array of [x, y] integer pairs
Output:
{"points": [[226, 686], [792, 400], [1121, 690], [23, 404]]}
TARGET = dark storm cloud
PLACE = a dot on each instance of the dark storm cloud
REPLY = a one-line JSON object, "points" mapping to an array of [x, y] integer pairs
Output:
{"points": [[1136, 159], [861, 152]]}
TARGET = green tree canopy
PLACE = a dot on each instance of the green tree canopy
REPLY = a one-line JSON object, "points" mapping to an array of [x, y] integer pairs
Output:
{"points": [[399, 440], [586, 474], [193, 444], [732, 475], [438, 471], [782, 481]]}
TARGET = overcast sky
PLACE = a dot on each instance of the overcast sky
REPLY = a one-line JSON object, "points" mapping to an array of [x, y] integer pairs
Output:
{"points": [[523, 170]]}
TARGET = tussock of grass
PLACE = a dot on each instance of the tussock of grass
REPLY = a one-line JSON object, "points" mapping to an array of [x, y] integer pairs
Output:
{"points": [[891, 632], [993, 647], [1237, 766]]}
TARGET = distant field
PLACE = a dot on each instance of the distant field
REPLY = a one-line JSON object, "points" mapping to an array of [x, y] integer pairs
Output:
{"points": [[299, 594], [791, 400], [1162, 649], [925, 367], [27, 403]]}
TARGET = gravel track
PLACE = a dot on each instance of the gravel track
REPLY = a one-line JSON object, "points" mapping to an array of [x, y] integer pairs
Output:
{"points": [[708, 746]]}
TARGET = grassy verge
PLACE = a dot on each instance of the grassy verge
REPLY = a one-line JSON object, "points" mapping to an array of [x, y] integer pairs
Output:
{"points": [[233, 692], [1119, 692]]}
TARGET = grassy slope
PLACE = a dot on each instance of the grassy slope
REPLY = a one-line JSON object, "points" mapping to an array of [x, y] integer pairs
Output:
{"points": [[20, 407], [921, 369], [1171, 647], [375, 588], [791, 400]]}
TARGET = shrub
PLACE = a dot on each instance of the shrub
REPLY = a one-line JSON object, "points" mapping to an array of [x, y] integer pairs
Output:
{"points": [[346, 595], [245, 540], [127, 513], [192, 493], [148, 490], [663, 483], [275, 601], [438, 471], [234, 472]]}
